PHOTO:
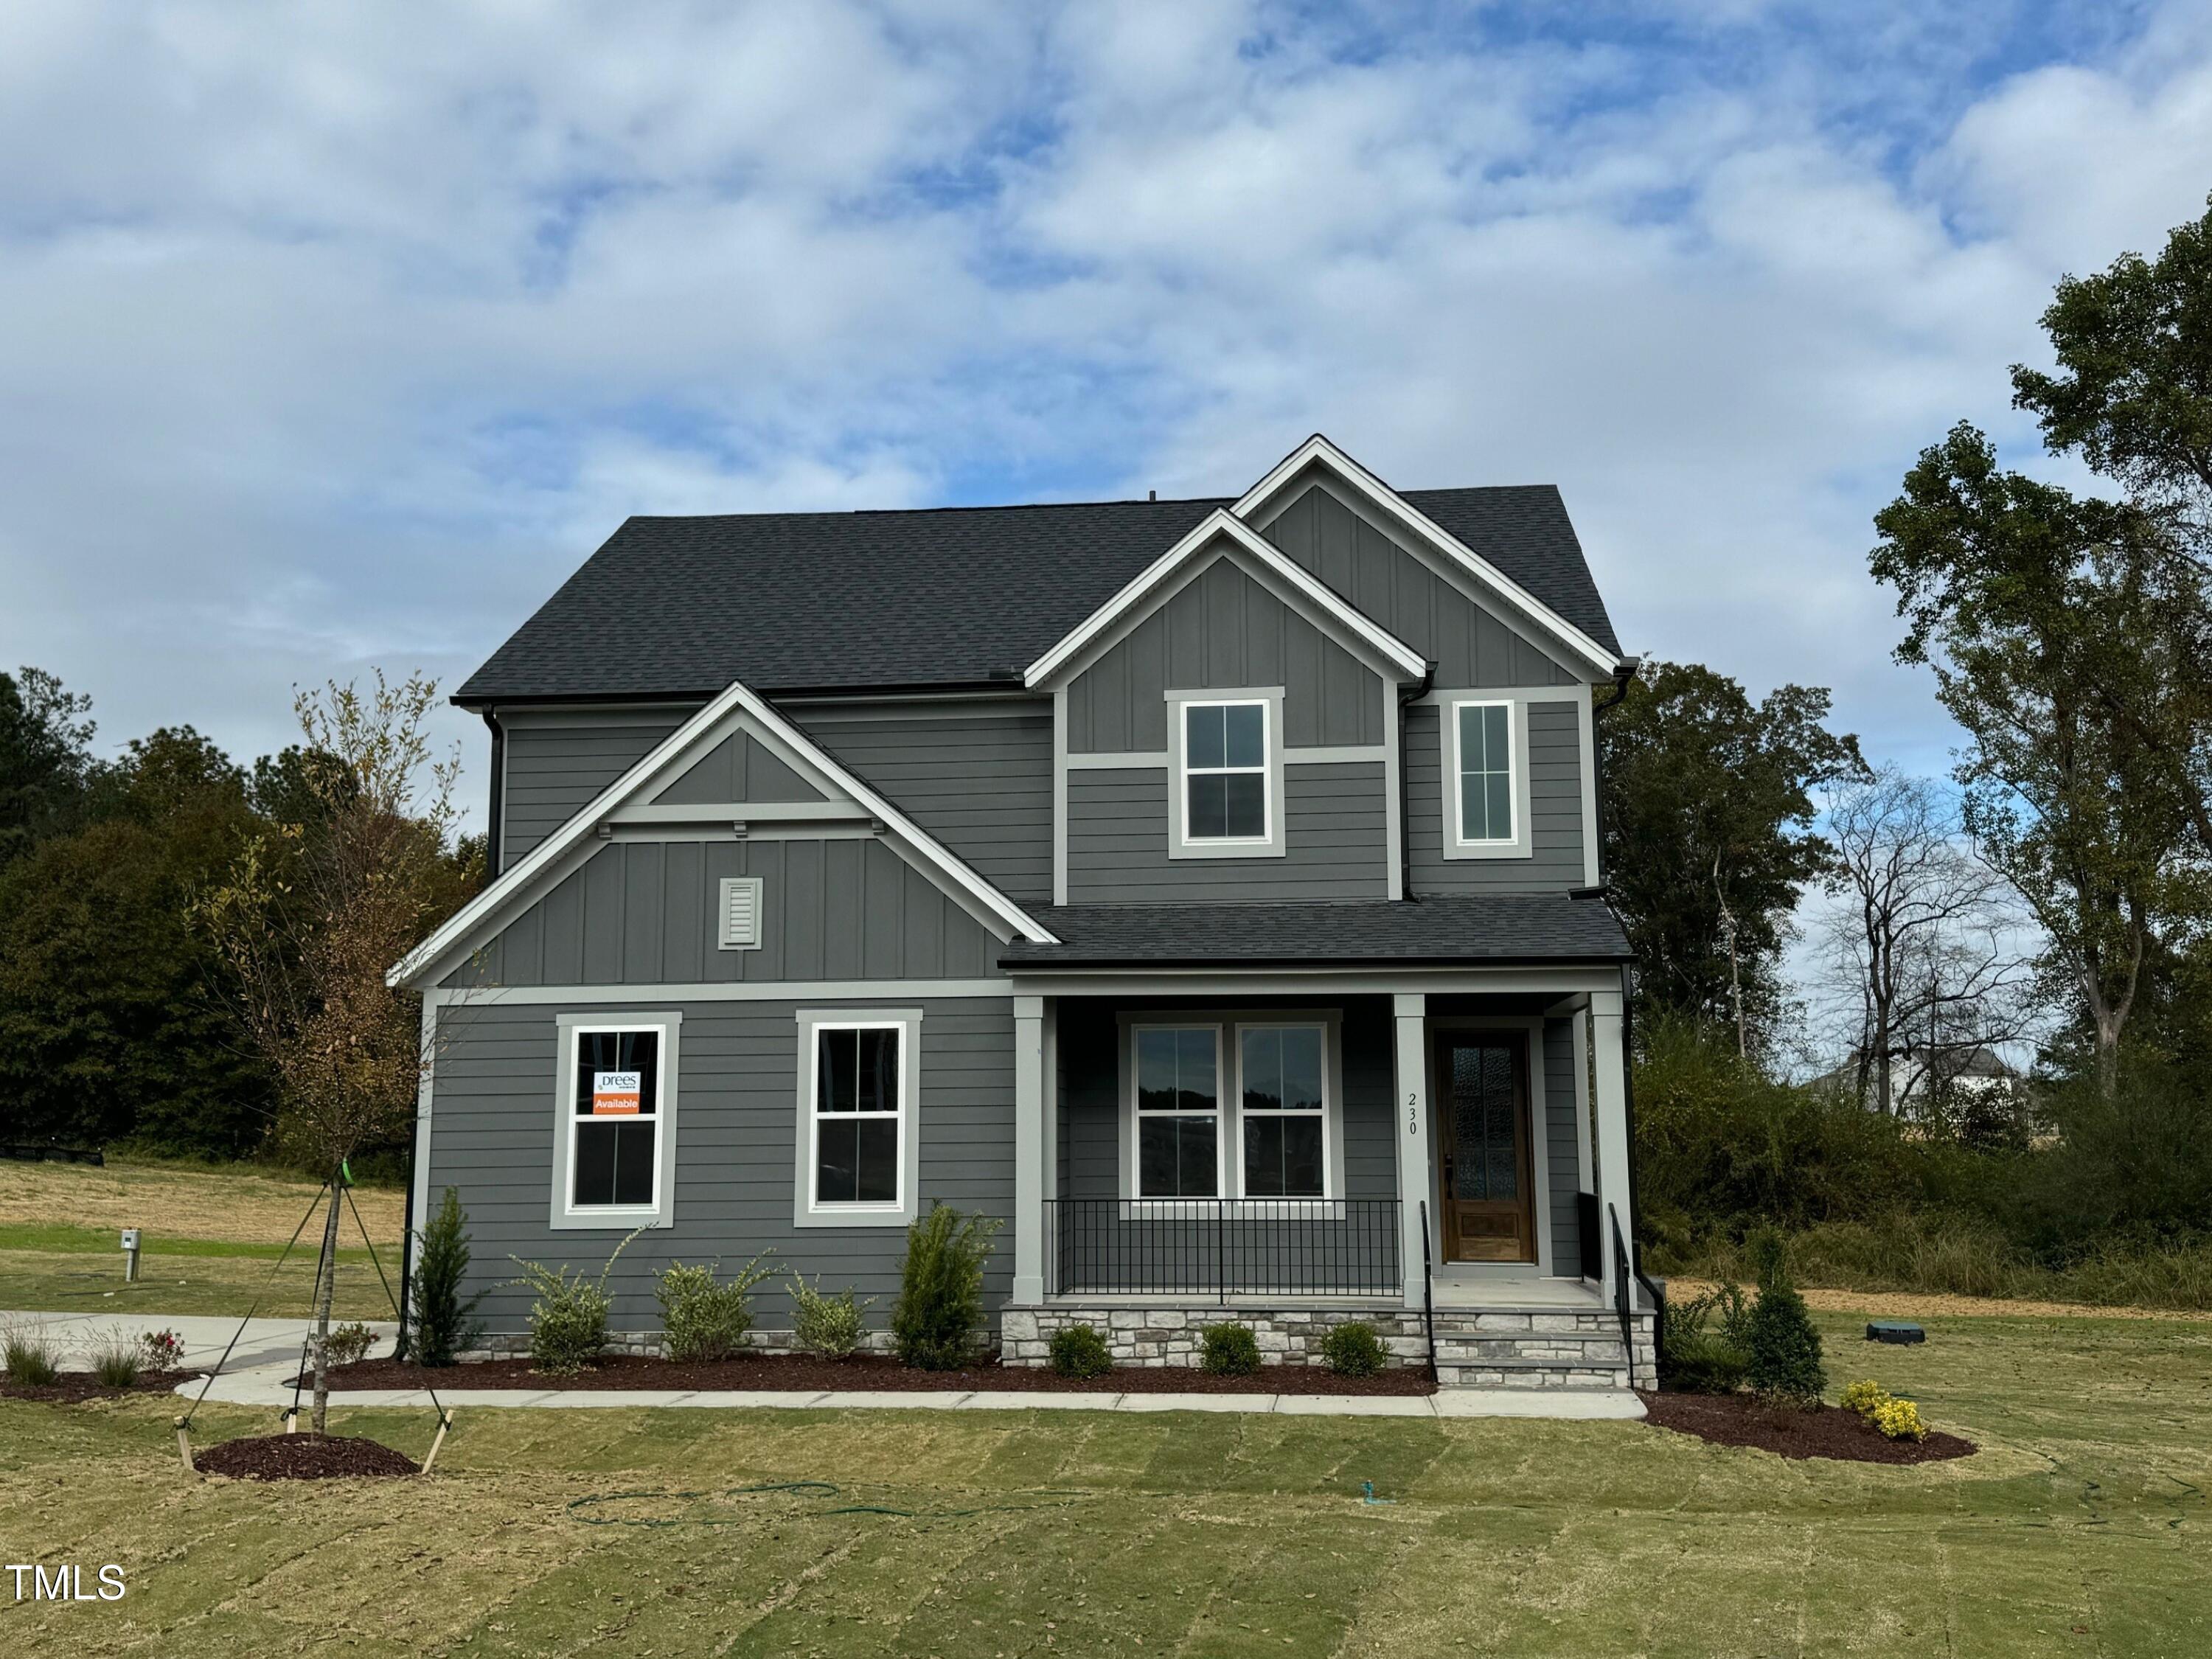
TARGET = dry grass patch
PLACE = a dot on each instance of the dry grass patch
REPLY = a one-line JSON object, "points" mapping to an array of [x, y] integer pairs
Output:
{"points": [[234, 1204], [1927, 1304]]}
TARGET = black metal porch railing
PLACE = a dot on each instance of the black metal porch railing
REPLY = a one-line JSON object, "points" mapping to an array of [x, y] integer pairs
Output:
{"points": [[1222, 1247]]}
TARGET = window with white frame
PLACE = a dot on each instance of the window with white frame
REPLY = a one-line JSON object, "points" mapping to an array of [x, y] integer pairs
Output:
{"points": [[613, 1150], [1485, 797], [858, 1122], [1282, 1106], [1178, 1100], [1225, 781]]}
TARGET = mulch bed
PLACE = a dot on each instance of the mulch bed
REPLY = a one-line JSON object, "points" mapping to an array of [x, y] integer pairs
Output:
{"points": [[76, 1386], [303, 1457], [1739, 1419], [800, 1373]]}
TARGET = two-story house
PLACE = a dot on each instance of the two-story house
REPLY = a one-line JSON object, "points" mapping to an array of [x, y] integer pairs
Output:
{"points": [[1209, 889]]}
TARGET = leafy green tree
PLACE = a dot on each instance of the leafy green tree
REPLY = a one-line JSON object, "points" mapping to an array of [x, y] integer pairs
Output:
{"points": [[45, 741], [1708, 835]]}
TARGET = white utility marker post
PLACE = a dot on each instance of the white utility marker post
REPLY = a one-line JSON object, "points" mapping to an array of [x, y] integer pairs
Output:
{"points": [[1409, 1114], [131, 1256], [1029, 1151], [1610, 1061]]}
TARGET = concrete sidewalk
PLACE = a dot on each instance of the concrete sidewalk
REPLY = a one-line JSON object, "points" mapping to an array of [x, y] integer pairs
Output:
{"points": [[269, 1386], [263, 1342]]}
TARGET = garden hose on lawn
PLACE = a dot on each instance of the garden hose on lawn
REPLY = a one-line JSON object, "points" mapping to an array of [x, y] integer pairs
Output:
{"points": [[1054, 1499]]}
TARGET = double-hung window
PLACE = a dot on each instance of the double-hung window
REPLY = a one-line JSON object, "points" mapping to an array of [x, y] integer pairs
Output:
{"points": [[857, 1163], [1486, 785], [613, 1164], [1225, 772], [1284, 1108], [1178, 1152]]}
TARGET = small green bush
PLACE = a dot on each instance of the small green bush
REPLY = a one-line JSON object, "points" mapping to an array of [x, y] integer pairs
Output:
{"points": [[829, 1325], [1227, 1349], [1781, 1348], [119, 1361], [938, 1318], [29, 1358], [706, 1320], [443, 1322], [568, 1320], [1079, 1350], [1697, 1357], [1353, 1349], [349, 1345]]}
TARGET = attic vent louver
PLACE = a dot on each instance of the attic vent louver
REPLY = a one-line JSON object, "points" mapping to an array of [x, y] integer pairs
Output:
{"points": [[741, 912]]}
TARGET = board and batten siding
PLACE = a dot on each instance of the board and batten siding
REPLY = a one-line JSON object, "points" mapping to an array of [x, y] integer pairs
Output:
{"points": [[1336, 841], [737, 769], [1223, 630], [1408, 596], [1561, 1151], [1555, 809], [978, 777], [737, 1123], [556, 764], [643, 913]]}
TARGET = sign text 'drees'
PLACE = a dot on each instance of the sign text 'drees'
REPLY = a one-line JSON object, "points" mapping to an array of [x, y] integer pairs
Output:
{"points": [[615, 1094]]}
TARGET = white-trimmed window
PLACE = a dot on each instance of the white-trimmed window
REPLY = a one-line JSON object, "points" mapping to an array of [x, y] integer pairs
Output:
{"points": [[614, 1121], [1282, 1079], [857, 1154], [1486, 778], [1177, 1069], [1225, 772]]}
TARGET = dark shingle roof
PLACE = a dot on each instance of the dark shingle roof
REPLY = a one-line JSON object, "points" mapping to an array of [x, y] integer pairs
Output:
{"points": [[941, 597], [1504, 928]]}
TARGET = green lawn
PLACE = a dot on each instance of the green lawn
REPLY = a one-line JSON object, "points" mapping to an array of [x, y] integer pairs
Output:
{"points": [[2081, 1527], [188, 1277]]}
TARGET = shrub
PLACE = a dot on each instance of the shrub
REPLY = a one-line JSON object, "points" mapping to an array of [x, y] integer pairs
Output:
{"points": [[1864, 1397], [164, 1350], [568, 1320], [828, 1325], [705, 1320], [443, 1322], [1781, 1348], [939, 1313], [1229, 1349], [1079, 1350], [118, 1361], [349, 1345], [1899, 1419], [1697, 1358], [28, 1357], [1353, 1349]]}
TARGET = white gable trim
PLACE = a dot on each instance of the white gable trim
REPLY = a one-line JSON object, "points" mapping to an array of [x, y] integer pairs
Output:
{"points": [[1319, 450], [1157, 582], [552, 857]]}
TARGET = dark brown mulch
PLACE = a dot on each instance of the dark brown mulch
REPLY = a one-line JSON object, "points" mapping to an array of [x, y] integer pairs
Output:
{"points": [[76, 1386], [302, 1457], [1738, 1420], [798, 1373]]}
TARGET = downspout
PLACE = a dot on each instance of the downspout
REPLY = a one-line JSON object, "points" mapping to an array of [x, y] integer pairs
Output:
{"points": [[1404, 800], [495, 851]]}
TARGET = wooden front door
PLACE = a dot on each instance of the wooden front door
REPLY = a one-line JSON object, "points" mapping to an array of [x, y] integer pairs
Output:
{"points": [[1488, 1208]]}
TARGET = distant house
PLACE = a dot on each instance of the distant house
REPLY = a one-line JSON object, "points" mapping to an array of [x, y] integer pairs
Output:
{"points": [[1968, 1071], [1207, 888]]}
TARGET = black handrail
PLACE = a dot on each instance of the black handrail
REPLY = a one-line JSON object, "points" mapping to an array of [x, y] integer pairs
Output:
{"points": [[1624, 1293], [1428, 1291], [1218, 1248]]}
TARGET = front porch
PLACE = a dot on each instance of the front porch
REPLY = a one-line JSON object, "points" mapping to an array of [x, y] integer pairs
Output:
{"points": [[1441, 1156]]}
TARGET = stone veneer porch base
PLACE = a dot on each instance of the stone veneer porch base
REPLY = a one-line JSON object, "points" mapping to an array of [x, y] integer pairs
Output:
{"points": [[1491, 1348]]}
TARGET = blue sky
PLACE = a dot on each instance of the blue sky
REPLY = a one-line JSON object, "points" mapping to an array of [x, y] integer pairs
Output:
{"points": [[338, 336]]}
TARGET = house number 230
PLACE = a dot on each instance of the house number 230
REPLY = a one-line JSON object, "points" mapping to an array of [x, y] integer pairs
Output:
{"points": [[1413, 1114]]}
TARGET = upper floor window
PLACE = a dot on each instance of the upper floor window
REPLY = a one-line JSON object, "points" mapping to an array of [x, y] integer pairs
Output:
{"points": [[1486, 781], [1225, 771]]}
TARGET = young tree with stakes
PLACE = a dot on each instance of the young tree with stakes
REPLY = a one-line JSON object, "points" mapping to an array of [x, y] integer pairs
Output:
{"points": [[311, 917]]}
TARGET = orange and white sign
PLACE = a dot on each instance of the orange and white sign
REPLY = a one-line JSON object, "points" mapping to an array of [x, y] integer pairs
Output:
{"points": [[616, 1094]]}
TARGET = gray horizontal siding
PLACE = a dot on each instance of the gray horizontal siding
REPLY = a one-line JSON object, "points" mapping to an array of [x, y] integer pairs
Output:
{"points": [[1223, 629], [1559, 1145], [736, 769], [1555, 809], [553, 771], [1336, 841], [737, 1120], [1468, 645], [643, 913], [979, 780]]}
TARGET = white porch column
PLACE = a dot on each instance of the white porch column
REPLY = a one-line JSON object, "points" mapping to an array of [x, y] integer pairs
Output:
{"points": [[1610, 1064], [1029, 1148], [1410, 1112]]}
